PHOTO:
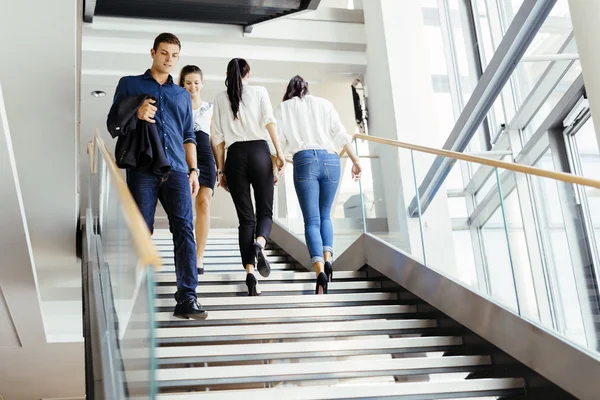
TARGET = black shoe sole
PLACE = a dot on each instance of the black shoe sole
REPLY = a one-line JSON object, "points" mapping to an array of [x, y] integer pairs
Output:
{"points": [[263, 265], [197, 317]]}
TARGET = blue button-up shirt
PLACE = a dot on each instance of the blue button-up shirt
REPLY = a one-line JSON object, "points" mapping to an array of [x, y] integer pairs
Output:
{"points": [[174, 118]]}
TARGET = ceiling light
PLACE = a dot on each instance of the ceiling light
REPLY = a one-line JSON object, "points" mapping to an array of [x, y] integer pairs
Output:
{"points": [[98, 93]]}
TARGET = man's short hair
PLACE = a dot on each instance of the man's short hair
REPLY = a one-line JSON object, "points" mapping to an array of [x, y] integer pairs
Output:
{"points": [[166, 38]]}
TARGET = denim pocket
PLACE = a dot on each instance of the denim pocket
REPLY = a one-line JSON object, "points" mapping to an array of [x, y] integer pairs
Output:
{"points": [[303, 170], [332, 170]]}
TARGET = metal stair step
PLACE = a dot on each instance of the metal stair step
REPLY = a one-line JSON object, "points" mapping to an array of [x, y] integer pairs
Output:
{"points": [[295, 300], [293, 350], [264, 286], [169, 259], [182, 377], [296, 330], [484, 389], [236, 267], [288, 314], [210, 247], [239, 276], [167, 250]]}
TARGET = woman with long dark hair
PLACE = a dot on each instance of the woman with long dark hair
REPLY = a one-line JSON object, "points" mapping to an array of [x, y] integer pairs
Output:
{"points": [[192, 80], [244, 123], [311, 130]]}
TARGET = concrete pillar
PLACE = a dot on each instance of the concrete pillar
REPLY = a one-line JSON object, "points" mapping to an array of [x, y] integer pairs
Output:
{"points": [[400, 102], [585, 15]]}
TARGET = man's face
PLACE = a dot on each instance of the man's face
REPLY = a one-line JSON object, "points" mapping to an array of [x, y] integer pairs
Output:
{"points": [[165, 57]]}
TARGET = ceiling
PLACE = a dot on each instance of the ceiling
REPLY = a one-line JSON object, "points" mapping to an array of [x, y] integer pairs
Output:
{"points": [[234, 12]]}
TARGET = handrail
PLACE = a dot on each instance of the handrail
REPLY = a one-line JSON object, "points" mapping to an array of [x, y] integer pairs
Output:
{"points": [[526, 169], [145, 249]]}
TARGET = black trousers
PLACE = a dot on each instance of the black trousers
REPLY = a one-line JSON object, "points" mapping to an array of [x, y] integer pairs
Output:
{"points": [[249, 163]]}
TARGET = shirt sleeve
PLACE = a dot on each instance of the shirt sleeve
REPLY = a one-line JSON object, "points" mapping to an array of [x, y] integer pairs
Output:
{"points": [[219, 136], [339, 135], [188, 122], [266, 109], [281, 132], [121, 90]]}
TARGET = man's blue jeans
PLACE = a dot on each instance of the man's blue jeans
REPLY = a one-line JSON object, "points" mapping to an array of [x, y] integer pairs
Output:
{"points": [[173, 191], [316, 179]]}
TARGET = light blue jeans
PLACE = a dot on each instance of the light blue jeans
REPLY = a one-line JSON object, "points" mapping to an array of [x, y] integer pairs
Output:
{"points": [[316, 179]]}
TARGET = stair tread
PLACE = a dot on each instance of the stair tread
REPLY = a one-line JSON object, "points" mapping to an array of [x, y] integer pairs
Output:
{"points": [[297, 327], [310, 370], [358, 391], [274, 276], [265, 286], [168, 259], [286, 313], [325, 346], [287, 299]]}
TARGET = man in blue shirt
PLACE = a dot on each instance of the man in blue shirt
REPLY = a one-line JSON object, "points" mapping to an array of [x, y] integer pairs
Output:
{"points": [[172, 114]]}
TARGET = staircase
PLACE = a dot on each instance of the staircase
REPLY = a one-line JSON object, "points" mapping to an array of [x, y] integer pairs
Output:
{"points": [[367, 339]]}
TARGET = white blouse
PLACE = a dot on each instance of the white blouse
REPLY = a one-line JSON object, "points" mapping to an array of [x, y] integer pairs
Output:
{"points": [[203, 117], [310, 123], [255, 113]]}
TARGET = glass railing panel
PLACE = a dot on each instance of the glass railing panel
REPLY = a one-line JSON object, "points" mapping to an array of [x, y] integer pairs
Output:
{"points": [[528, 241], [387, 193], [128, 283]]}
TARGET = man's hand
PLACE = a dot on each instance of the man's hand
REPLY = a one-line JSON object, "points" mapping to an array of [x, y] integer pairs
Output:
{"points": [[146, 112], [194, 185]]}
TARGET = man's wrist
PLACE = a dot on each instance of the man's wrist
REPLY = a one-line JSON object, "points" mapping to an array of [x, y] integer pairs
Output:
{"points": [[194, 170]]}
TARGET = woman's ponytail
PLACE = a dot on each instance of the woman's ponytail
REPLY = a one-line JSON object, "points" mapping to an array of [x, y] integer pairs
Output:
{"points": [[236, 70]]}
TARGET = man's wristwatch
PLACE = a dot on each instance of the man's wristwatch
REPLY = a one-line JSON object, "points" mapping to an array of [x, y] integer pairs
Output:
{"points": [[196, 170]]}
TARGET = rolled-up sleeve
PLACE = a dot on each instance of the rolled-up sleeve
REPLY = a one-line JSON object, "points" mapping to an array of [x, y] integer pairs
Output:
{"points": [[266, 109], [188, 123], [338, 133], [219, 136]]}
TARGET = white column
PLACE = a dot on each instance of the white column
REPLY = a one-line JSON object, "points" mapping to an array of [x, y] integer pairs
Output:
{"points": [[40, 80], [585, 15], [39, 74], [400, 102]]}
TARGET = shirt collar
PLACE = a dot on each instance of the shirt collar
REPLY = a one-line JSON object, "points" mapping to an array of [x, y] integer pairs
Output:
{"points": [[148, 75]]}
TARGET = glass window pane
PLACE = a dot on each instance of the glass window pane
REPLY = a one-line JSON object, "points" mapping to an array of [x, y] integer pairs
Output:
{"points": [[557, 253]]}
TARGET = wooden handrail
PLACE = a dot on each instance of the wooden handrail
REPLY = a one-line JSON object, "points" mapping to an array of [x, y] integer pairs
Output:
{"points": [[145, 249], [526, 169]]}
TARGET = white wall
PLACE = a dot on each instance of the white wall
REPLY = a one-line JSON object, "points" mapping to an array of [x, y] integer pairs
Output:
{"points": [[39, 79], [401, 108]]}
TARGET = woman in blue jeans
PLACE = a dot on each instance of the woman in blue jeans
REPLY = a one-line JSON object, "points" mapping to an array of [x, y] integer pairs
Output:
{"points": [[311, 130]]}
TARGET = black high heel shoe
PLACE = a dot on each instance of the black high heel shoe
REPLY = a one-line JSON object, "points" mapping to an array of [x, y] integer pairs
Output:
{"points": [[251, 283], [321, 283], [262, 262], [329, 271]]}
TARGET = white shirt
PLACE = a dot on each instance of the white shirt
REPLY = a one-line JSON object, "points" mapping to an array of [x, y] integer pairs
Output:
{"points": [[255, 113], [310, 123], [202, 117]]}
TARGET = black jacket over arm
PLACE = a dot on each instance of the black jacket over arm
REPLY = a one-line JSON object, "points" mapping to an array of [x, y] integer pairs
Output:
{"points": [[139, 144]]}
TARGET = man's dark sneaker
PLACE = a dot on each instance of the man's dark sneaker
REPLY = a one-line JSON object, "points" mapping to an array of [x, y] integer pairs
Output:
{"points": [[190, 309], [262, 263]]}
